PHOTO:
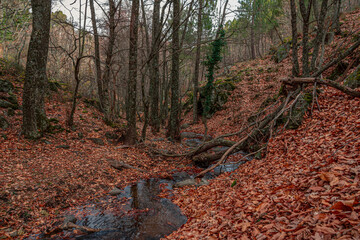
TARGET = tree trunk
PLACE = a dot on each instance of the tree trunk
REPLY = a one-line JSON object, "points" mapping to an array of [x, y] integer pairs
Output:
{"points": [[34, 116], [155, 76], [336, 21], [70, 120], [252, 35], [108, 62], [320, 33], [130, 137], [296, 68], [174, 122], [197, 62], [97, 56], [305, 12]]}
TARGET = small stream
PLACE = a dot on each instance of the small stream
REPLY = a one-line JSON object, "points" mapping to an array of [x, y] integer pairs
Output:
{"points": [[136, 212]]}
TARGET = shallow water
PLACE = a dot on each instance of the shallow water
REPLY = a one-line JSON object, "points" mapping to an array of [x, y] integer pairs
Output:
{"points": [[136, 213]]}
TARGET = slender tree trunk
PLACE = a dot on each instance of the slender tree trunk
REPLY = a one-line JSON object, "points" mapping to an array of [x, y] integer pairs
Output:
{"points": [[130, 137], [296, 68], [108, 62], [36, 82], [305, 12], [320, 33], [70, 120], [197, 62], [337, 17], [155, 76], [97, 57], [252, 36], [174, 122]]}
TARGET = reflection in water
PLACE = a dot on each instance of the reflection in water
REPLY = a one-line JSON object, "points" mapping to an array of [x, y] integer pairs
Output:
{"points": [[136, 213]]}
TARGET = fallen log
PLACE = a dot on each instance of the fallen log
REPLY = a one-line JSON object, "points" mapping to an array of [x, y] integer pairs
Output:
{"points": [[257, 134], [344, 89], [120, 165]]}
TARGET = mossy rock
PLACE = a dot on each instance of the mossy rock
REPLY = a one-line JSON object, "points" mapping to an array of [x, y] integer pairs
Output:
{"points": [[280, 52], [353, 80], [296, 116], [219, 96]]}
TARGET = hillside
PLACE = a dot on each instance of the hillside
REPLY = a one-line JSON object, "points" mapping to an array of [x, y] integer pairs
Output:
{"points": [[305, 187]]}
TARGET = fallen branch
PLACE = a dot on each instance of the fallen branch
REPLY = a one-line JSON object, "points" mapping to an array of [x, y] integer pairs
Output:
{"points": [[120, 165], [222, 159], [337, 60], [344, 89]]}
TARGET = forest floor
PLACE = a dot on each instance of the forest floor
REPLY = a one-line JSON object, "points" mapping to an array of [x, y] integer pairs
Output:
{"points": [[307, 186]]}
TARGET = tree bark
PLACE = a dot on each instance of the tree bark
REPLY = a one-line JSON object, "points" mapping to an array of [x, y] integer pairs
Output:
{"points": [[320, 33], [131, 135], [336, 21], [155, 76], [97, 56], [197, 62], [36, 82], [305, 13], [295, 60], [174, 122], [108, 62]]}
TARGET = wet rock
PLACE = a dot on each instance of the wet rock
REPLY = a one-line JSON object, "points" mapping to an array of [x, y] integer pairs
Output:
{"points": [[180, 176], [209, 175], [193, 142], [115, 191], [63, 146], [191, 182], [187, 182], [97, 141]]}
